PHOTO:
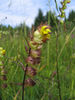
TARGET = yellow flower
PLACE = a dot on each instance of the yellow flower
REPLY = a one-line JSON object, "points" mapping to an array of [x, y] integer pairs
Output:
{"points": [[3, 52], [45, 32], [46, 36]]}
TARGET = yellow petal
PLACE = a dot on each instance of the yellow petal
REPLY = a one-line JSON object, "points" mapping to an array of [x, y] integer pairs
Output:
{"points": [[3, 52]]}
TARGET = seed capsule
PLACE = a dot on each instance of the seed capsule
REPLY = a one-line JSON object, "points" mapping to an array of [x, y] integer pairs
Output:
{"points": [[3, 77], [37, 60], [33, 45], [31, 71], [4, 85], [29, 82], [35, 53], [3, 72], [30, 60], [1, 67]]}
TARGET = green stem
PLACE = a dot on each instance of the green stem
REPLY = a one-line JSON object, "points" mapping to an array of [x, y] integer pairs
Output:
{"points": [[48, 45], [24, 82], [57, 68]]}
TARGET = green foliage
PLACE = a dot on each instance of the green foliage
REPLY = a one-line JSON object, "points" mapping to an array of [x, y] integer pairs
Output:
{"points": [[40, 18], [71, 17], [46, 88], [53, 18], [21, 29], [43, 19]]}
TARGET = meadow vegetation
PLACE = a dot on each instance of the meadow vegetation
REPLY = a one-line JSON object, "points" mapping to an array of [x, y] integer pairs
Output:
{"points": [[59, 50]]}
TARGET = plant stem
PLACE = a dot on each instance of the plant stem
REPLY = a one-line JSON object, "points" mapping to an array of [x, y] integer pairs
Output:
{"points": [[48, 45], [24, 82], [58, 80]]}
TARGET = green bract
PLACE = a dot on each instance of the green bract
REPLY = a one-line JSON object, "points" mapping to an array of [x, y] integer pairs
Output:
{"points": [[37, 37], [31, 43]]}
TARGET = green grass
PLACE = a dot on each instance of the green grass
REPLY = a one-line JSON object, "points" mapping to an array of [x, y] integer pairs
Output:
{"points": [[45, 88]]}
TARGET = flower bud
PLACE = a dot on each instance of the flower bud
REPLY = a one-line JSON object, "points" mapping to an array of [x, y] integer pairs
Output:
{"points": [[30, 60], [37, 37], [37, 60], [4, 85], [33, 45], [3, 77], [1, 67], [62, 15], [35, 53], [29, 82], [39, 47], [31, 71], [3, 72], [68, 1], [63, 12], [61, 21], [64, 7]]}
